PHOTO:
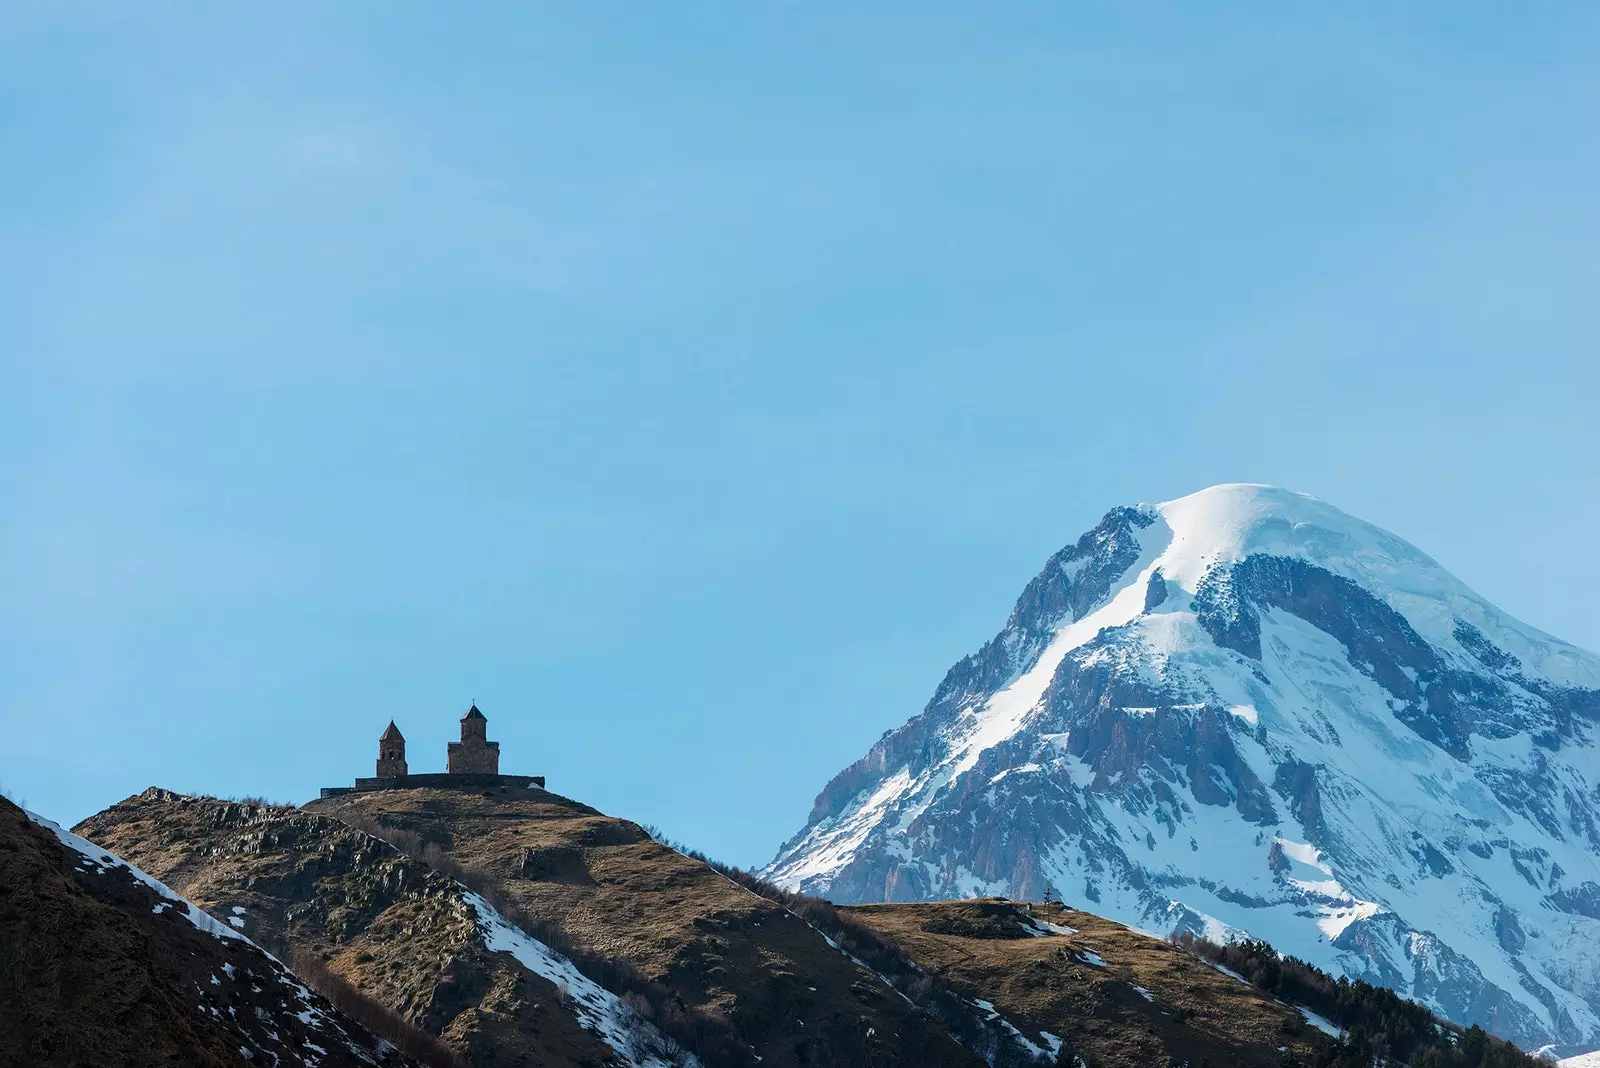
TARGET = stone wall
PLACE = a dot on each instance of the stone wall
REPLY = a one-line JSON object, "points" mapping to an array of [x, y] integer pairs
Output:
{"points": [[437, 781]]}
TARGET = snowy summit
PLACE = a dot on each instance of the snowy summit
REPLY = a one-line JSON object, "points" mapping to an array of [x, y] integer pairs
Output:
{"points": [[1247, 711]]}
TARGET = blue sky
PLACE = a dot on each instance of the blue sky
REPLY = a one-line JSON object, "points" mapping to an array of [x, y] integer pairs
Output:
{"points": [[690, 385]]}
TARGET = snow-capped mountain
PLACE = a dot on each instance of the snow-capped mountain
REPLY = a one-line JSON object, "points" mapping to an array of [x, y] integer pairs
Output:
{"points": [[1246, 711]]}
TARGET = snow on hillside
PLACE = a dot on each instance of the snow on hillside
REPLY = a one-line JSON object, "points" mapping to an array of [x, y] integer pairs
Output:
{"points": [[1246, 711], [636, 1041], [100, 861], [280, 1032]]}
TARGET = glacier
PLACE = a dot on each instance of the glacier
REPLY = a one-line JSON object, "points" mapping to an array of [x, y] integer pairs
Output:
{"points": [[1246, 712]]}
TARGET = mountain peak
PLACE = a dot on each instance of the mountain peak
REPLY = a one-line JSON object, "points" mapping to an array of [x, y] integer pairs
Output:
{"points": [[1247, 710], [1232, 520], [1222, 524]]}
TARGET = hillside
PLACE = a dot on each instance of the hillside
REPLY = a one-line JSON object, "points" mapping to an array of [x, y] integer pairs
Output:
{"points": [[1084, 989], [748, 982], [789, 997], [102, 965], [416, 940], [1244, 712], [1068, 979], [733, 971]]}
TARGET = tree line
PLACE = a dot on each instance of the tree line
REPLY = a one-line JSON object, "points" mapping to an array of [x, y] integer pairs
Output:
{"points": [[1378, 1026]]}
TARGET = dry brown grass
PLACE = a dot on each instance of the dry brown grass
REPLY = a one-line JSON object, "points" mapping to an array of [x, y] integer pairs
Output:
{"points": [[380, 919], [705, 1034], [1195, 1014], [718, 947]]}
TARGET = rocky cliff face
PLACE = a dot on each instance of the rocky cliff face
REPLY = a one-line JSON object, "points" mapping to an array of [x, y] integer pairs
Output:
{"points": [[101, 964], [1247, 711]]}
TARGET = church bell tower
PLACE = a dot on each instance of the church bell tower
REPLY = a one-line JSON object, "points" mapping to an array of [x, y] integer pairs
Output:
{"points": [[391, 753]]}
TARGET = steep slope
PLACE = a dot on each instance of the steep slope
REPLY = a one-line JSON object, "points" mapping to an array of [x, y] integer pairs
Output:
{"points": [[101, 964], [789, 996], [1245, 710], [415, 940], [762, 985]]}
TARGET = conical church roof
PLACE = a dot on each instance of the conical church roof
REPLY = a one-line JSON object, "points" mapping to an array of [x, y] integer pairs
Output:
{"points": [[473, 713], [391, 733]]}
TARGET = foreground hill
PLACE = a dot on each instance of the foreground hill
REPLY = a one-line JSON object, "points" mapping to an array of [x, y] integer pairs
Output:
{"points": [[102, 965], [1245, 711], [734, 977], [787, 996], [525, 928], [414, 939]]}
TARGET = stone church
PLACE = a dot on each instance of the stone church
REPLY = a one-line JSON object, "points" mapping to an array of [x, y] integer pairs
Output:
{"points": [[471, 763], [474, 754]]}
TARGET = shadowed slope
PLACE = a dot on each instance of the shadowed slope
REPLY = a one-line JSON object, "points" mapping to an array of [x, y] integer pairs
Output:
{"points": [[100, 967]]}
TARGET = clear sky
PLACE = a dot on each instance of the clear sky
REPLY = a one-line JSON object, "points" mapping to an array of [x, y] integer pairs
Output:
{"points": [[690, 385]]}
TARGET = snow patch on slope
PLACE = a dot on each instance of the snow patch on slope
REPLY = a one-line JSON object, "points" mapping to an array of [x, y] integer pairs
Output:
{"points": [[1582, 1060], [597, 1009], [979, 728], [101, 861]]}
